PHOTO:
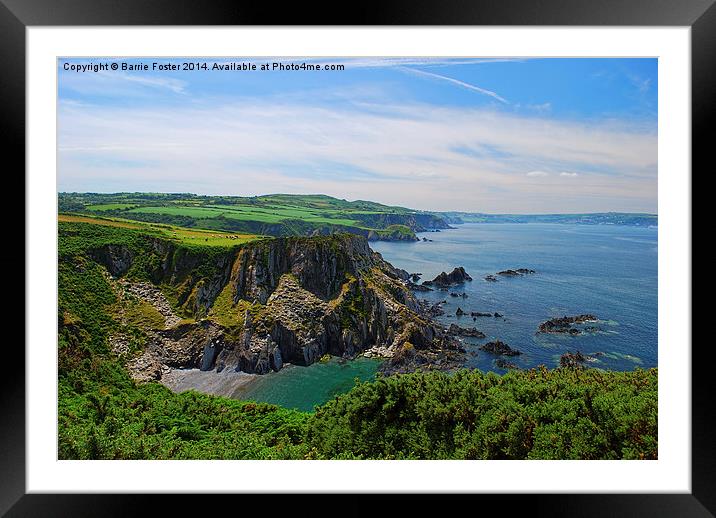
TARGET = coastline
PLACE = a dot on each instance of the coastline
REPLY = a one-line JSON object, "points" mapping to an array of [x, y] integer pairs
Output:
{"points": [[224, 383]]}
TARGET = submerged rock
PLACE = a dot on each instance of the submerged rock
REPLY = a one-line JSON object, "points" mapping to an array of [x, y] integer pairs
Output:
{"points": [[515, 273]]}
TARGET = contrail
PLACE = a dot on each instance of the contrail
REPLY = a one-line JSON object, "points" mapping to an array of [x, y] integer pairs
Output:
{"points": [[457, 82]]}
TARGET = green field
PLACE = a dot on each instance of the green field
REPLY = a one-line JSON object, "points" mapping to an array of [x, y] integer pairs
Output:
{"points": [[276, 214], [176, 234], [110, 206], [243, 213]]}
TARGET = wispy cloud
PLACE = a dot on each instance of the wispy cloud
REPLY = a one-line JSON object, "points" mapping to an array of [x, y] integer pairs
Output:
{"points": [[175, 85], [640, 83], [407, 154], [540, 108], [121, 84], [569, 175], [381, 62], [457, 82]]}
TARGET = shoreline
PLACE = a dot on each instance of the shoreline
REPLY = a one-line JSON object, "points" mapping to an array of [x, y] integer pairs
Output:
{"points": [[213, 383]]}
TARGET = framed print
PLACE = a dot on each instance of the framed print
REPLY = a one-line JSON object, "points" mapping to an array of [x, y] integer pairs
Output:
{"points": [[369, 258]]}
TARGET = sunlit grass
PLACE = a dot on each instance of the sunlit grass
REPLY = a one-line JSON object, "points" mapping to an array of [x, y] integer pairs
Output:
{"points": [[174, 233]]}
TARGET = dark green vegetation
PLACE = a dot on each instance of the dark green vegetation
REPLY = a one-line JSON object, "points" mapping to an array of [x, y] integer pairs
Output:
{"points": [[536, 414], [275, 215], [104, 414], [602, 218]]}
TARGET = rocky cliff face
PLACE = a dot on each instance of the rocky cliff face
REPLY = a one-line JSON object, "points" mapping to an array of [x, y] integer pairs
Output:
{"points": [[418, 222], [280, 300]]}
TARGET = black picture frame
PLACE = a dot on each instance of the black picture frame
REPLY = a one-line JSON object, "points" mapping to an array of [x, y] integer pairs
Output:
{"points": [[700, 15]]}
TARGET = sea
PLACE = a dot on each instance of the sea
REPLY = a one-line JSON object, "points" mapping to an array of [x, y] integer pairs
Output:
{"points": [[609, 271]]}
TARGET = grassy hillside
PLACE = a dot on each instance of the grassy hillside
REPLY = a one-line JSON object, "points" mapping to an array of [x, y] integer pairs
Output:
{"points": [[277, 214], [104, 414], [172, 233]]}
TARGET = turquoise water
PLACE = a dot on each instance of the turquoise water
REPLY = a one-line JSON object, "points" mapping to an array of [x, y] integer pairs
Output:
{"points": [[609, 271], [304, 387], [606, 270]]}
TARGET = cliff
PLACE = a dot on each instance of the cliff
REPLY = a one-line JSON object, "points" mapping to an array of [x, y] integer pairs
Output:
{"points": [[279, 300]]}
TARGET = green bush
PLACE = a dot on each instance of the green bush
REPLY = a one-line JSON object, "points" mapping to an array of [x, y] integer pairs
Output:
{"points": [[536, 414]]}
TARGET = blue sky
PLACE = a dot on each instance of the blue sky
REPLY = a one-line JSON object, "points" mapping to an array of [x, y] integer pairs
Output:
{"points": [[482, 135]]}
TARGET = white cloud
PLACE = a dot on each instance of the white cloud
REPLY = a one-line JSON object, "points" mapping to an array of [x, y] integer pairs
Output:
{"points": [[571, 175], [538, 173], [403, 154]]}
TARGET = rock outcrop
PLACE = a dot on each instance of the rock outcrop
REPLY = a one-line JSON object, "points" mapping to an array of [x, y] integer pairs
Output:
{"points": [[418, 287], [432, 310], [572, 360], [565, 324], [456, 330], [498, 347], [455, 277], [154, 296]]}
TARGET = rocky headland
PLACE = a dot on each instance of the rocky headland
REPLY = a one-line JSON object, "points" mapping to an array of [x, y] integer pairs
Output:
{"points": [[277, 301]]}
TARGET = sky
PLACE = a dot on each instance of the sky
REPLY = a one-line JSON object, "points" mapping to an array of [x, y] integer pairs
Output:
{"points": [[523, 136]]}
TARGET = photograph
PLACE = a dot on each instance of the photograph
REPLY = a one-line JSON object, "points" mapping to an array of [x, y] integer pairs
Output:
{"points": [[357, 258]]}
